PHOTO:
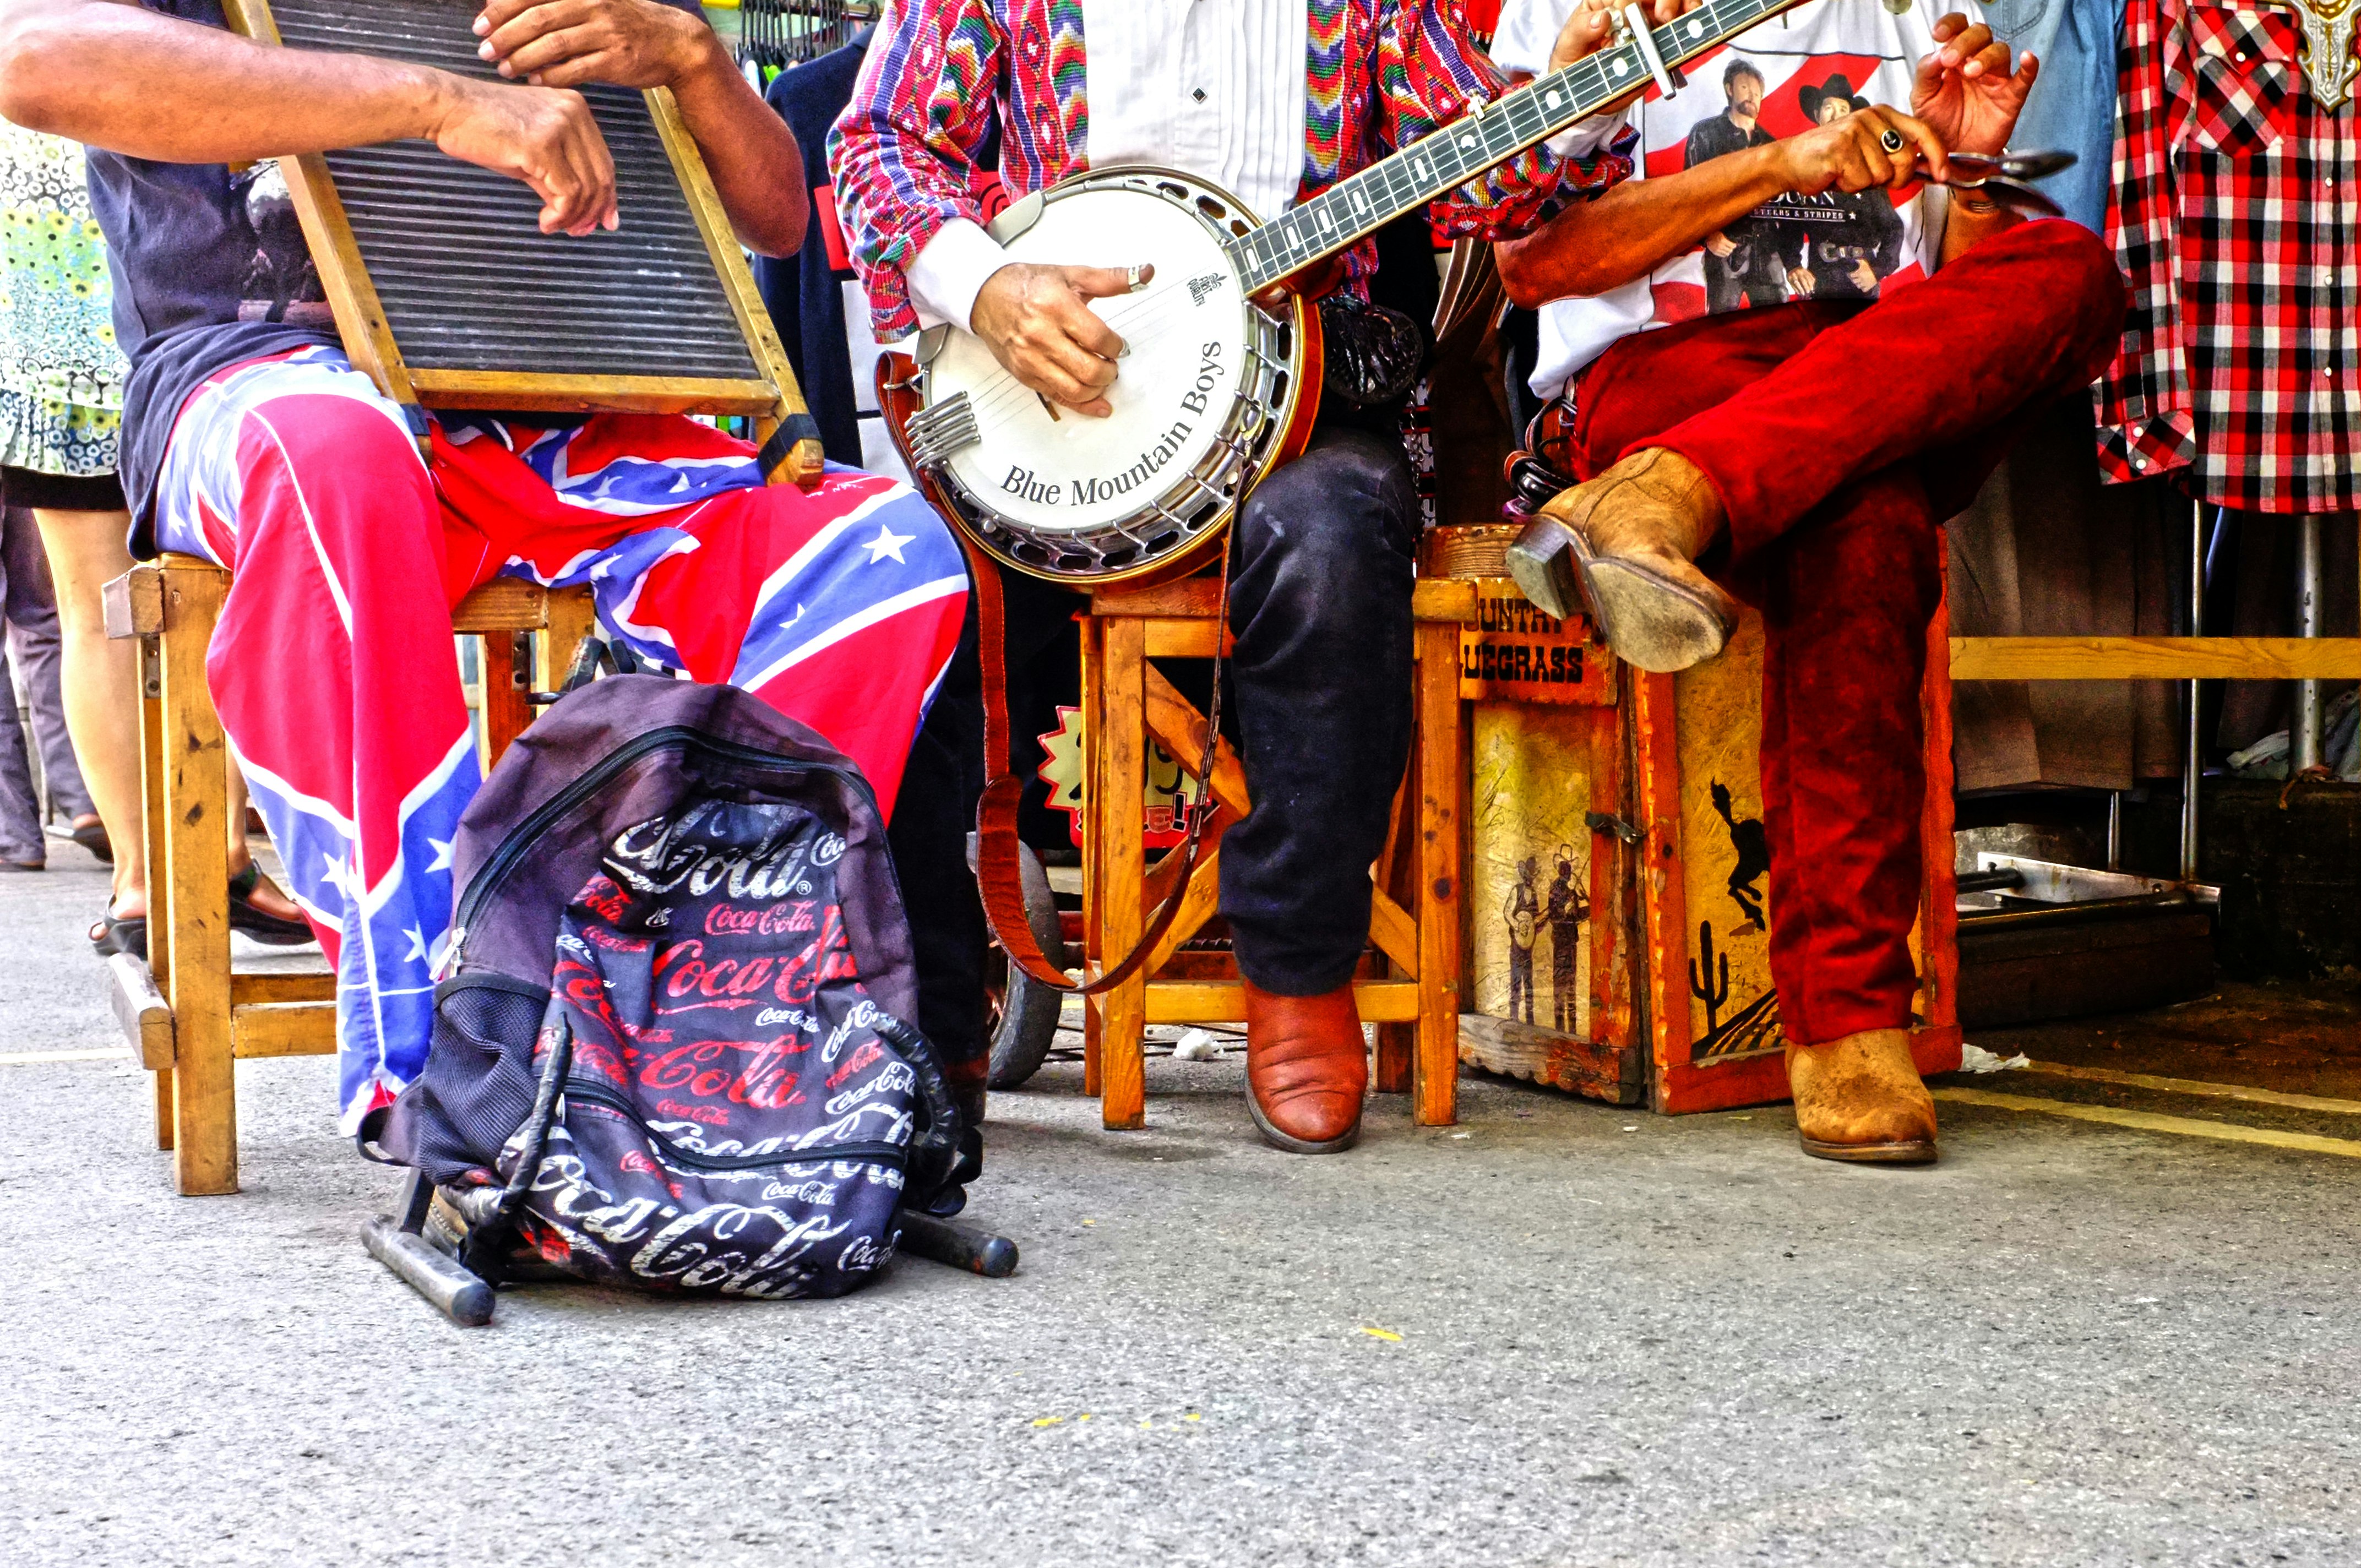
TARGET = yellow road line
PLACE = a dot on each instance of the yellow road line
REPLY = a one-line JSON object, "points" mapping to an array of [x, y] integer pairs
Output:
{"points": [[26, 1058], [2149, 1121], [2196, 1086]]}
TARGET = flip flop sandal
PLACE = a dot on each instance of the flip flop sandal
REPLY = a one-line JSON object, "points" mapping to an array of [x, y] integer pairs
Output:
{"points": [[259, 923], [91, 836], [126, 934]]}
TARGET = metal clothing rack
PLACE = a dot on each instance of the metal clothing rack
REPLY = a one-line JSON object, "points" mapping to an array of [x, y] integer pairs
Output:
{"points": [[2306, 660], [774, 35]]}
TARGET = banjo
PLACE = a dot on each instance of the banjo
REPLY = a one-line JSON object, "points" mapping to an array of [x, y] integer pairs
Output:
{"points": [[1216, 391]]}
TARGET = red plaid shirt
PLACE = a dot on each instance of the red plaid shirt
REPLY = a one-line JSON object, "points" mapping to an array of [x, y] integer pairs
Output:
{"points": [[2237, 218]]}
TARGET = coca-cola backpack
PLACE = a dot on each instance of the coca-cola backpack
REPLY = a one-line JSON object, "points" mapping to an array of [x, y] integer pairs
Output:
{"points": [[672, 1047]]}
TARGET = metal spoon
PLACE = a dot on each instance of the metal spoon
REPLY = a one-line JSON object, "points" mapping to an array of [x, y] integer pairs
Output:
{"points": [[2003, 178]]}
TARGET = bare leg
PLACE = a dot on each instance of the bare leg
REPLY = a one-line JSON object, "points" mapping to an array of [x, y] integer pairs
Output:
{"points": [[100, 678]]}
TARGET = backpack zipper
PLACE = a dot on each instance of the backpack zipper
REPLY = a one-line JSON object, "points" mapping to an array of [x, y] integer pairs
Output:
{"points": [[513, 845], [895, 1155]]}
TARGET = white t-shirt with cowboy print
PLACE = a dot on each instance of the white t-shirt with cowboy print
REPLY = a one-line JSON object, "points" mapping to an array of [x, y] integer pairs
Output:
{"points": [[1780, 77]]}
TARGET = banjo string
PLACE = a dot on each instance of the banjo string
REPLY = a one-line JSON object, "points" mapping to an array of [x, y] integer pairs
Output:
{"points": [[1000, 391]]}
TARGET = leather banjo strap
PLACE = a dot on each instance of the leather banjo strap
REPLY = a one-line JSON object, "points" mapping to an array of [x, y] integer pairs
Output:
{"points": [[998, 858]]}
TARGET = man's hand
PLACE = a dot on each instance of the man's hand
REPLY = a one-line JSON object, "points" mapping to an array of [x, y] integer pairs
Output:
{"points": [[1964, 92], [563, 43], [1800, 280], [1039, 324], [757, 169], [1593, 24], [543, 136], [1851, 154], [1864, 276], [1719, 243]]}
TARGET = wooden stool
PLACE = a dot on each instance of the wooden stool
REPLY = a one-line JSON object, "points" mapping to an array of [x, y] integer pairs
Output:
{"points": [[1414, 918], [187, 1017]]}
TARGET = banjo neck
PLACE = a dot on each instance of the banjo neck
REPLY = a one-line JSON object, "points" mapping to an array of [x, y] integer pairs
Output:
{"points": [[1349, 211]]}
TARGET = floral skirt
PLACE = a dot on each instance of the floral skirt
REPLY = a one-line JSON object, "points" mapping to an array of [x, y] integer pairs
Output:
{"points": [[54, 436], [60, 372]]}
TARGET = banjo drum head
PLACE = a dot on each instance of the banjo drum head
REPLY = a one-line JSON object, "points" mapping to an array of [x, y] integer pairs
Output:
{"points": [[1066, 481]]}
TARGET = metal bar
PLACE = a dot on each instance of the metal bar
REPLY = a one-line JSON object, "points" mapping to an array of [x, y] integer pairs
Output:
{"points": [[2192, 769], [2114, 829], [448, 1286], [956, 1246], [2097, 909], [2304, 724]]}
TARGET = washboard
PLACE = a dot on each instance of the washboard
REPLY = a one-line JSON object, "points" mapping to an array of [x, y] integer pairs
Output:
{"points": [[448, 294]]}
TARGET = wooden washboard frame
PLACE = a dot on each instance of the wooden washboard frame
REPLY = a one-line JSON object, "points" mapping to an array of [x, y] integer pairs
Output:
{"points": [[763, 385]]}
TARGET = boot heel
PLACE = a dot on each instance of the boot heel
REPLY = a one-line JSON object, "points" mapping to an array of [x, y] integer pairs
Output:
{"points": [[1544, 563]]}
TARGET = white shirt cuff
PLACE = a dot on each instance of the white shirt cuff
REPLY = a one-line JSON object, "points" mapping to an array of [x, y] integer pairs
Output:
{"points": [[949, 274], [1584, 138]]}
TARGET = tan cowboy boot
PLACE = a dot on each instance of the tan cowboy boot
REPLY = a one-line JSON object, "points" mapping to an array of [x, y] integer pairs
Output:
{"points": [[1624, 544], [1859, 1098], [1307, 1069]]}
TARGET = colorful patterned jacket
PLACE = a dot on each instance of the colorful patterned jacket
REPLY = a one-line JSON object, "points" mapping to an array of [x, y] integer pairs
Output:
{"points": [[947, 74]]}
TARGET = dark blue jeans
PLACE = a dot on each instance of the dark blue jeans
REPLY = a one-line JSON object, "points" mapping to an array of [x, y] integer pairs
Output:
{"points": [[1320, 585], [1319, 601]]}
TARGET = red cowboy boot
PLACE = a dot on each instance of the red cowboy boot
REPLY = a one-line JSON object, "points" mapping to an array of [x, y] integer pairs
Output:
{"points": [[1307, 1069]]}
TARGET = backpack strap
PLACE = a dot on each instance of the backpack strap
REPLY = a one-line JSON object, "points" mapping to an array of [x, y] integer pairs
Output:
{"points": [[594, 654], [998, 866], [486, 1246]]}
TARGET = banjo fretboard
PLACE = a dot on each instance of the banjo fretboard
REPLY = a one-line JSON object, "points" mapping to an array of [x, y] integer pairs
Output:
{"points": [[1352, 208]]}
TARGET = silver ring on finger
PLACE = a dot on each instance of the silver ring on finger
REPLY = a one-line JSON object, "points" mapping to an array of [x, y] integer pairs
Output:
{"points": [[1132, 276], [1890, 140]]}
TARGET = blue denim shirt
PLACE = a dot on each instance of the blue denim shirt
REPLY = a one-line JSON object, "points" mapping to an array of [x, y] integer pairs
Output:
{"points": [[2074, 104]]}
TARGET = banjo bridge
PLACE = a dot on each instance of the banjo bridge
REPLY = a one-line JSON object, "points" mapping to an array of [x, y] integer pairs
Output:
{"points": [[942, 430]]}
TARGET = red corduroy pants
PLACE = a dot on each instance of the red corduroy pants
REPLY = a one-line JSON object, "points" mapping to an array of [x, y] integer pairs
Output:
{"points": [[1839, 437]]}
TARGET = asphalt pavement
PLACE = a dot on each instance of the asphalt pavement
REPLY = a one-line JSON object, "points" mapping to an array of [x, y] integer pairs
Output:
{"points": [[1557, 1334]]}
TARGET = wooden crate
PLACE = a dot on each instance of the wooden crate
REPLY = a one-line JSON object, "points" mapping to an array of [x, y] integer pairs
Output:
{"points": [[1643, 792]]}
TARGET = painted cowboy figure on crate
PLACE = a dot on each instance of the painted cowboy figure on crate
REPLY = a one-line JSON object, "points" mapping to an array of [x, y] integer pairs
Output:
{"points": [[1802, 456], [1275, 100]]}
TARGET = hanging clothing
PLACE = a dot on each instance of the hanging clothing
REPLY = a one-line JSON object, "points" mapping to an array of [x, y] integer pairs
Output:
{"points": [[2237, 219], [2072, 105], [2047, 551], [332, 668], [61, 373]]}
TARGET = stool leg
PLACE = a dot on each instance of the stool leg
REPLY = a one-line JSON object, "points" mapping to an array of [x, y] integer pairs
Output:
{"points": [[506, 712], [196, 886], [1397, 875], [573, 615], [151, 846], [167, 1107], [1435, 1091], [1122, 867]]}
